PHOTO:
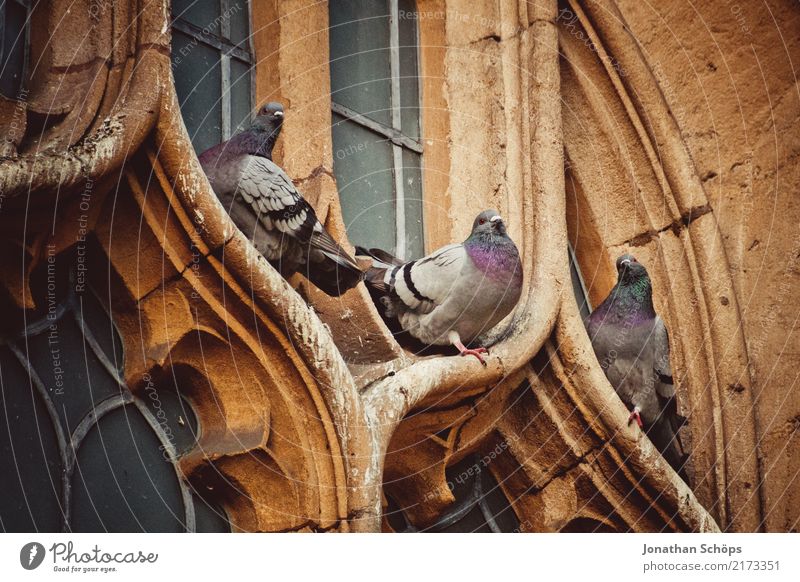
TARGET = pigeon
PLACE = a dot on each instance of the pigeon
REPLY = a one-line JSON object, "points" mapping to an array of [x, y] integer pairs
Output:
{"points": [[456, 293], [632, 345], [264, 203]]}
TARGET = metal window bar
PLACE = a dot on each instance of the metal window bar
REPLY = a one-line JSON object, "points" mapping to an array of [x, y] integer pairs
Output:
{"points": [[476, 497], [395, 136]]}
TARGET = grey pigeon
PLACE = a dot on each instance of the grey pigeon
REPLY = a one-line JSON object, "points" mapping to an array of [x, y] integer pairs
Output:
{"points": [[632, 346], [456, 293], [263, 202]]}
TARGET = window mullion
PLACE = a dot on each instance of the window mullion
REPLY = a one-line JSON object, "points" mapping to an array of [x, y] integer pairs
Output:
{"points": [[394, 63], [224, 21], [225, 64], [400, 207]]}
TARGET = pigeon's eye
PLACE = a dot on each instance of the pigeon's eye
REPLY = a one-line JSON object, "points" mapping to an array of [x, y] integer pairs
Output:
{"points": [[481, 221]]}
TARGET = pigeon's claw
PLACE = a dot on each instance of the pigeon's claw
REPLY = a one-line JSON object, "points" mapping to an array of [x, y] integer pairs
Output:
{"points": [[476, 352], [635, 415], [464, 351]]}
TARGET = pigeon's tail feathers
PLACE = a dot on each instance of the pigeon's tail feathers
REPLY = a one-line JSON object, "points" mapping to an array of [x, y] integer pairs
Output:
{"points": [[386, 258], [375, 278], [324, 243], [334, 270], [381, 289], [379, 257], [380, 278]]}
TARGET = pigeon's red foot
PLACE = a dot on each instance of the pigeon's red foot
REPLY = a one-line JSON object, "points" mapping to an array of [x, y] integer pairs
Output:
{"points": [[464, 351], [476, 352], [635, 415]]}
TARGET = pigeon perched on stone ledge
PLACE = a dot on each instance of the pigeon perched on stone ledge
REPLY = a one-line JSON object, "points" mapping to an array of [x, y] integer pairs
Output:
{"points": [[263, 202], [456, 293], [632, 346]]}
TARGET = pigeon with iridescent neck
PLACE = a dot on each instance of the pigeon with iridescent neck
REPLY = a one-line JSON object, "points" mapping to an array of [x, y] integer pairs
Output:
{"points": [[264, 203], [456, 293], [631, 343]]}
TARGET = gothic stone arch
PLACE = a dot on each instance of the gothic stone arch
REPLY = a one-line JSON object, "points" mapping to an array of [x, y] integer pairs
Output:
{"points": [[303, 431]]}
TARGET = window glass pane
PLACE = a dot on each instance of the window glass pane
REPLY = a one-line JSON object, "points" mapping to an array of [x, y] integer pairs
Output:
{"points": [[175, 416], [240, 95], [94, 316], [473, 483], [239, 18], [30, 465], [463, 476], [202, 13], [577, 286], [122, 482], [73, 376], [412, 194], [497, 505], [360, 60], [472, 522], [409, 70], [198, 83], [12, 51], [363, 166], [209, 518]]}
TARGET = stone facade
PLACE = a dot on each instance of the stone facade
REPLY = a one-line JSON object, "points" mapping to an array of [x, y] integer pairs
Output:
{"points": [[610, 126]]}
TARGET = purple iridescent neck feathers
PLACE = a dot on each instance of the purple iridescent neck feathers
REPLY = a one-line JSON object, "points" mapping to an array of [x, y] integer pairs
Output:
{"points": [[496, 256], [249, 142], [258, 140]]}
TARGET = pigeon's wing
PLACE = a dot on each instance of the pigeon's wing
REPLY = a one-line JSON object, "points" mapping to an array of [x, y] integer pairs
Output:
{"points": [[661, 365], [665, 386], [279, 206], [275, 200], [282, 211], [424, 284]]}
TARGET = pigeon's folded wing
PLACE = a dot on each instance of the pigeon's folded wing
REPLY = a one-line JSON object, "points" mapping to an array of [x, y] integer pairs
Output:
{"points": [[273, 197], [661, 364], [424, 284], [280, 207]]}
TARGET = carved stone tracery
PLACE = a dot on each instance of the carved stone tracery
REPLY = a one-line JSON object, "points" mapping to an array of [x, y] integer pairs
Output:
{"points": [[302, 430]]}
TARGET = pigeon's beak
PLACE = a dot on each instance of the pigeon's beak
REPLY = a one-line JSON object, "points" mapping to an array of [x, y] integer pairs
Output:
{"points": [[279, 114], [625, 262], [497, 224]]}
